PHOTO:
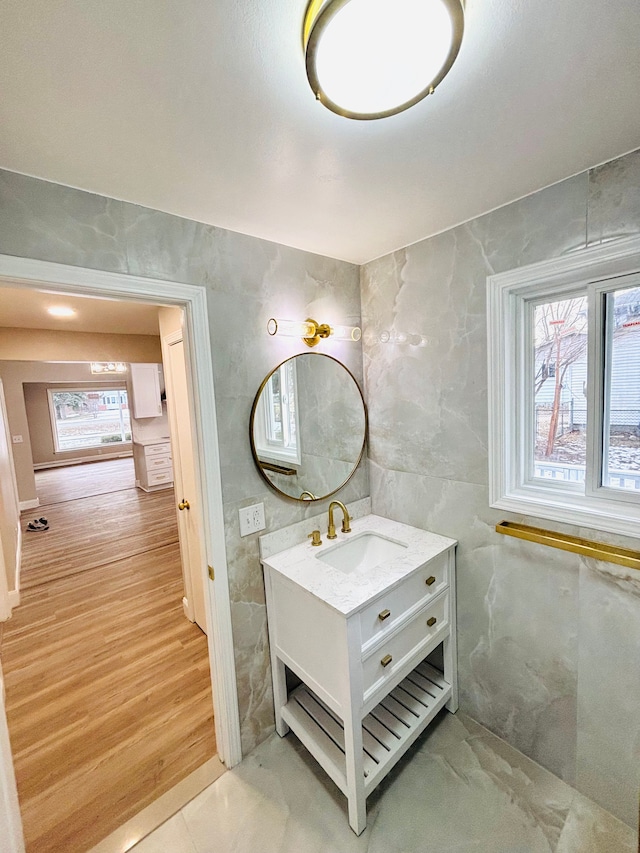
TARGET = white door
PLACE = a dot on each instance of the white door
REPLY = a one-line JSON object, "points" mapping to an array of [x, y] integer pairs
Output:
{"points": [[10, 532], [11, 838], [185, 479]]}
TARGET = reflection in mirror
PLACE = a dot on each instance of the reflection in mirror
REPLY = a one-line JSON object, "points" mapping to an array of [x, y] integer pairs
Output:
{"points": [[308, 426]]}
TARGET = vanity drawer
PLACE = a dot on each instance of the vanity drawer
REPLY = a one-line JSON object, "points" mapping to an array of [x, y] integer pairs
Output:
{"points": [[391, 656], [162, 460], [416, 590], [155, 478], [157, 449]]}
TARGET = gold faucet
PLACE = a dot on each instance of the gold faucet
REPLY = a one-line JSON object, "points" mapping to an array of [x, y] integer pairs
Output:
{"points": [[346, 528]]}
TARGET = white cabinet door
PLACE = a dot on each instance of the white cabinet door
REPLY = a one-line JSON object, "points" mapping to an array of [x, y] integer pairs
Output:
{"points": [[145, 386]]}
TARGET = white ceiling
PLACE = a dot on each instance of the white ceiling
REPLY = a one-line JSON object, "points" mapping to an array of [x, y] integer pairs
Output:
{"points": [[25, 308], [202, 108]]}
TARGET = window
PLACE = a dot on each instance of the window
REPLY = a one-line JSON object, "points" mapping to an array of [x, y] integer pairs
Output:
{"points": [[564, 388], [276, 420], [83, 418]]}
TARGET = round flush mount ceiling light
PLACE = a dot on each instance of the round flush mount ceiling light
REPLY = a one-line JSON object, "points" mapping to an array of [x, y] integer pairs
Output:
{"points": [[370, 59]]}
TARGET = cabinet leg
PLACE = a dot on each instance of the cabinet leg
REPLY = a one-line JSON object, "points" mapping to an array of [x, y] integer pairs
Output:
{"points": [[357, 816], [279, 694], [449, 653], [355, 776]]}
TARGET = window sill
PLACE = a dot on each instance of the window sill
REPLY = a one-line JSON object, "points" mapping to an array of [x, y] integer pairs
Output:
{"points": [[576, 510]]}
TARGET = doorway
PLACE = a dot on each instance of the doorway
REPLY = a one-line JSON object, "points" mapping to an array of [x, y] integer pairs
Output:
{"points": [[192, 300], [107, 683]]}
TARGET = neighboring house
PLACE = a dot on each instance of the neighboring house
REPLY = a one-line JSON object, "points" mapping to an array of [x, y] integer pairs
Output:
{"points": [[625, 384]]}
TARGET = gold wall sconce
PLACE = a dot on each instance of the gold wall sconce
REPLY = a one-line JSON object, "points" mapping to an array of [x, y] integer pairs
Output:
{"points": [[108, 367], [311, 331]]}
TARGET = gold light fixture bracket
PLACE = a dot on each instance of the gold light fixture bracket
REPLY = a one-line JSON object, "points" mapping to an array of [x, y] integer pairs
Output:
{"points": [[319, 332]]}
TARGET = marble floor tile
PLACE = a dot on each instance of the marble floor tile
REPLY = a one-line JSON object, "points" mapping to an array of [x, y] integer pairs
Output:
{"points": [[459, 790], [590, 829], [172, 837]]}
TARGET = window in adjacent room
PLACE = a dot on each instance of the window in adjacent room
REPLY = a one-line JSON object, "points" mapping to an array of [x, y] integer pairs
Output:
{"points": [[82, 418]]}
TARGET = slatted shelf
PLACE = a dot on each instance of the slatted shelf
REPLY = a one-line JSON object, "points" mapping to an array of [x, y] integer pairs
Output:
{"points": [[387, 732]]}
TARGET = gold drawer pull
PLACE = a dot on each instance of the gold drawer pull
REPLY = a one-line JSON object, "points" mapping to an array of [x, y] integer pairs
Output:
{"points": [[386, 660], [384, 615], [430, 580], [432, 621]]}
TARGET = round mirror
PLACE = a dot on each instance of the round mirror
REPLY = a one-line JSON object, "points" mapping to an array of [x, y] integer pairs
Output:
{"points": [[308, 426]]}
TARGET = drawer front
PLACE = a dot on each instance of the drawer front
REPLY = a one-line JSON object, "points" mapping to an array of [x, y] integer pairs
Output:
{"points": [[157, 449], [155, 478], [159, 461], [382, 615], [390, 657]]}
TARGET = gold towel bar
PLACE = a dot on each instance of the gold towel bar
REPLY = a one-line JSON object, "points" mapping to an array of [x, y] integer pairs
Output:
{"points": [[278, 469], [597, 550]]}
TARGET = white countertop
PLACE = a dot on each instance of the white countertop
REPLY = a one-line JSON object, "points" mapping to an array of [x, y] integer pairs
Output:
{"points": [[348, 593], [145, 442]]}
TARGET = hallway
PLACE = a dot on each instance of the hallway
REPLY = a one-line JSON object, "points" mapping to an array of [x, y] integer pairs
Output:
{"points": [[108, 686]]}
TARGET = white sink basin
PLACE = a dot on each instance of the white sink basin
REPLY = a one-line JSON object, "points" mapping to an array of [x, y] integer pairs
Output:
{"points": [[365, 551]]}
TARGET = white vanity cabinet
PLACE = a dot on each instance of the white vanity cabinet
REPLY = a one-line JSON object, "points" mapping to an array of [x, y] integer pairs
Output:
{"points": [[359, 645], [153, 464]]}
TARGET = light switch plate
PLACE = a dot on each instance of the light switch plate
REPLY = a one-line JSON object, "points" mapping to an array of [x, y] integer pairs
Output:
{"points": [[251, 519]]}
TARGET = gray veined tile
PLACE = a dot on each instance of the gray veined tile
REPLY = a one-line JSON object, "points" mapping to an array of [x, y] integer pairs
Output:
{"points": [[446, 802], [172, 837], [590, 829], [276, 801], [459, 790], [614, 199], [54, 223]]}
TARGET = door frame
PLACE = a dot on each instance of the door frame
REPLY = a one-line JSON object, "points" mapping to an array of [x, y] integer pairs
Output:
{"points": [[62, 278]]}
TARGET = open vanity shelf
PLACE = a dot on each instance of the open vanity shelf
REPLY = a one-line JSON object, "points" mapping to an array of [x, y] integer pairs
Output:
{"points": [[359, 642], [387, 731]]}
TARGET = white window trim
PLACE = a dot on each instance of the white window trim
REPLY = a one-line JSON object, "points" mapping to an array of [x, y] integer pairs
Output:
{"points": [[508, 489], [264, 448]]}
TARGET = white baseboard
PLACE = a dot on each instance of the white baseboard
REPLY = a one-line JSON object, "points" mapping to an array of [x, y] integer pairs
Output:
{"points": [[80, 460], [13, 598], [33, 504], [188, 611], [16, 579]]}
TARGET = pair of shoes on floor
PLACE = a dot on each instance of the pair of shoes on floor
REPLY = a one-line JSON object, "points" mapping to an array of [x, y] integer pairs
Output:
{"points": [[38, 524]]}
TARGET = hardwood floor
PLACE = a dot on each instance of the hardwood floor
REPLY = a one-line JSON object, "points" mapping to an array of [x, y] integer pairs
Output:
{"points": [[89, 479], [103, 529], [108, 687]]}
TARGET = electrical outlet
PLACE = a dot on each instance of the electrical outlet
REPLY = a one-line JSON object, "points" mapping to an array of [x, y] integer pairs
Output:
{"points": [[17, 439], [251, 519]]}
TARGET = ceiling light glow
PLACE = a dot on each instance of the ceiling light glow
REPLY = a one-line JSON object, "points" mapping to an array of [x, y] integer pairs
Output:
{"points": [[61, 311], [374, 58]]}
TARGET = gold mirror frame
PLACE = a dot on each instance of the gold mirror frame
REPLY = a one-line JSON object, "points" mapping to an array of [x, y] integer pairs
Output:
{"points": [[261, 466]]}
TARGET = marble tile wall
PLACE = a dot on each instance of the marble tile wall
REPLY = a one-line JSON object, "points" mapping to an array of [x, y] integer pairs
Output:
{"points": [[548, 641], [248, 280]]}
